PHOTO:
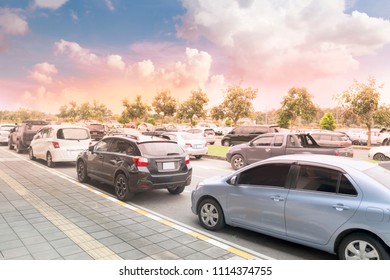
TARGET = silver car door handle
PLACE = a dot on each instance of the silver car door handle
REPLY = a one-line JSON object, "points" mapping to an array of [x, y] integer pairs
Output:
{"points": [[340, 207], [268, 150], [277, 198]]}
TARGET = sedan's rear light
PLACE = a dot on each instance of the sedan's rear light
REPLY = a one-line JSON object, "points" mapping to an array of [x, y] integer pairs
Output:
{"points": [[56, 145], [337, 153], [140, 161], [188, 145], [187, 159]]}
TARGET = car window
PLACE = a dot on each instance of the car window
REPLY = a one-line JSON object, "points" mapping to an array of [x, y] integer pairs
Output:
{"points": [[263, 141], [122, 146], [314, 178], [160, 148], [278, 140], [102, 146], [72, 134], [273, 175]]}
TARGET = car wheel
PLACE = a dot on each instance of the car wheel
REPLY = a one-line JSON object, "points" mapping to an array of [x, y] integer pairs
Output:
{"points": [[82, 174], [18, 150], [31, 154], [237, 162], [10, 146], [361, 246], [176, 190], [379, 157], [212, 143], [198, 157], [356, 142], [49, 160], [122, 188], [226, 143], [211, 215]]}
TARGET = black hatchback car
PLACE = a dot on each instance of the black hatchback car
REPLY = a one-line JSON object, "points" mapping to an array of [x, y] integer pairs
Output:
{"points": [[135, 164]]}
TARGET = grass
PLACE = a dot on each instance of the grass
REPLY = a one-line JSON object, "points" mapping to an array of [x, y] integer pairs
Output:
{"points": [[219, 151]]}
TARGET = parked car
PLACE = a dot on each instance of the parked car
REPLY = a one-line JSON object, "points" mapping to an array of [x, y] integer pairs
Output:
{"points": [[383, 137], [245, 133], [192, 144], [280, 143], [375, 140], [136, 164], [4, 132], [335, 204], [204, 132], [20, 137], [380, 153], [331, 139], [97, 130], [59, 143], [125, 132]]}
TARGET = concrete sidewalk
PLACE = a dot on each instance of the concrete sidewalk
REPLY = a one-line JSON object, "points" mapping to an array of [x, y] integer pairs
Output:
{"points": [[45, 216]]}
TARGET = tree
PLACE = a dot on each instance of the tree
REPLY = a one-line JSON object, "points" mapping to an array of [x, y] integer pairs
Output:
{"points": [[361, 100], [382, 116], [194, 107], [238, 103], [296, 104], [328, 122], [164, 103], [135, 111]]}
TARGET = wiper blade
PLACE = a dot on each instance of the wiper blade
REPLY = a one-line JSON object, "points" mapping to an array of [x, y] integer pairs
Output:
{"points": [[173, 154]]}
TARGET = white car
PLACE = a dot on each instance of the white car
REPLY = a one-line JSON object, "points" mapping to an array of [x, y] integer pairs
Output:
{"points": [[381, 153], [4, 132], [204, 132], [59, 143], [192, 144]]}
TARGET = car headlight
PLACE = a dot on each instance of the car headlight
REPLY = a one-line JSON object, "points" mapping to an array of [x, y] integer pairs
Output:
{"points": [[199, 185]]}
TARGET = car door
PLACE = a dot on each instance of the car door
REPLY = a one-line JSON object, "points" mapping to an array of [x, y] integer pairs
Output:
{"points": [[258, 198], [322, 200], [95, 157], [259, 149], [114, 158]]}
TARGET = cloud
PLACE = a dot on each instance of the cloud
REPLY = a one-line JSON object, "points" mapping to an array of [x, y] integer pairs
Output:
{"points": [[49, 4], [116, 62], [284, 41], [75, 51], [43, 73], [110, 5], [11, 24], [145, 68]]}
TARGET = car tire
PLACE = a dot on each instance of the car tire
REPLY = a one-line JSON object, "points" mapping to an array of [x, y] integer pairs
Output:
{"points": [[379, 157], [361, 246], [177, 190], [49, 160], [82, 173], [31, 154], [212, 143], [237, 162], [198, 157], [18, 150], [210, 214], [122, 189], [10, 145], [226, 143], [356, 142]]}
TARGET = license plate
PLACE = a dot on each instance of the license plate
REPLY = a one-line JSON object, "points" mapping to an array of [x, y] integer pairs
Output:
{"points": [[168, 165], [198, 146]]}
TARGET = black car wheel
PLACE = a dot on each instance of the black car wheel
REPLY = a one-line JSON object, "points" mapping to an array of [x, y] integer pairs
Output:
{"points": [[361, 246], [198, 157], [18, 149], [176, 190], [237, 162], [49, 160], [380, 157], [31, 154], [211, 215], [226, 143], [122, 188], [82, 174], [10, 146]]}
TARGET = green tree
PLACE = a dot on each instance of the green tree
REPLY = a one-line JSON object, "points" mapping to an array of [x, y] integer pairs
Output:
{"points": [[382, 116], [84, 111], [164, 103], [136, 110], [238, 103], [361, 100], [194, 107], [296, 105], [328, 122]]}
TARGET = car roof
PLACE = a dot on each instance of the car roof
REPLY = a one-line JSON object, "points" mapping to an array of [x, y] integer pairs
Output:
{"points": [[139, 138], [344, 163]]}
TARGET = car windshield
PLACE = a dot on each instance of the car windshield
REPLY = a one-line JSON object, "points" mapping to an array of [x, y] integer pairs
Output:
{"points": [[6, 128], [380, 174], [96, 127], [33, 127], [160, 148], [189, 136], [73, 134]]}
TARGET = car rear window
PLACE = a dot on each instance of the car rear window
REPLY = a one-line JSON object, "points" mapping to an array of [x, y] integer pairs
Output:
{"points": [[96, 127], [380, 174], [73, 134], [160, 148]]}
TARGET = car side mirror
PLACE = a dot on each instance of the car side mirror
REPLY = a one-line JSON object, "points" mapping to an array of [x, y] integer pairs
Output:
{"points": [[91, 148], [233, 180]]}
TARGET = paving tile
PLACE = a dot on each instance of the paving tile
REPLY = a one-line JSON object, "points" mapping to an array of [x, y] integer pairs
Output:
{"points": [[166, 255], [132, 255], [151, 249], [120, 247], [63, 242], [16, 243], [40, 247], [69, 250], [198, 256], [215, 252], [169, 244], [46, 255], [13, 253], [78, 256], [33, 240]]}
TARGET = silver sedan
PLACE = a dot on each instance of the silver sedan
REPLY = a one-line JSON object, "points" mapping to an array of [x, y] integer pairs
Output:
{"points": [[334, 204]]}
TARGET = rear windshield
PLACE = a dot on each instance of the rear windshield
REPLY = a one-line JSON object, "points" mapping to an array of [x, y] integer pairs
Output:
{"points": [[160, 148], [73, 134], [380, 174], [33, 127], [96, 127]]}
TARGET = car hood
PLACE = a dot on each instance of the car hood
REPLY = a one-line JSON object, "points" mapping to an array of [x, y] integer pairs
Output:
{"points": [[238, 147]]}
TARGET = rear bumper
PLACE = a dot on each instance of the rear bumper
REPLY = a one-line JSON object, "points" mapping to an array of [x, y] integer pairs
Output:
{"points": [[65, 155]]}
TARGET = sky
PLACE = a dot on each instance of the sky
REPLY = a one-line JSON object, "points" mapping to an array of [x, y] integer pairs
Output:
{"points": [[53, 52]]}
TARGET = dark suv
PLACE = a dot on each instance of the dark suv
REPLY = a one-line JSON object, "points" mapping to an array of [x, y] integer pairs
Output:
{"points": [[245, 133], [136, 163], [20, 137]]}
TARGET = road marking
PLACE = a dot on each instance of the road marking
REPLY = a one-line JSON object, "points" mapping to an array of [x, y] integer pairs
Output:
{"points": [[223, 244]]}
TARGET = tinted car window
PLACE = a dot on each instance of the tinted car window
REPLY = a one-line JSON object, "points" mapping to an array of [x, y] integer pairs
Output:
{"points": [[346, 187], [274, 175], [102, 146], [263, 141], [160, 148], [318, 179], [72, 134], [278, 140]]}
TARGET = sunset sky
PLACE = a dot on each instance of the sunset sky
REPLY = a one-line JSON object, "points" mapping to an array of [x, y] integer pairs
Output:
{"points": [[56, 51]]}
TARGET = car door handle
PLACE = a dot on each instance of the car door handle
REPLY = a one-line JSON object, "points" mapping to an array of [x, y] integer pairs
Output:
{"points": [[277, 198], [115, 161], [340, 207], [268, 150]]}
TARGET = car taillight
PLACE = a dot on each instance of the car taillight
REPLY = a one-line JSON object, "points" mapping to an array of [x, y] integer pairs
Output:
{"points": [[337, 153], [140, 161], [188, 145], [187, 159], [56, 145]]}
